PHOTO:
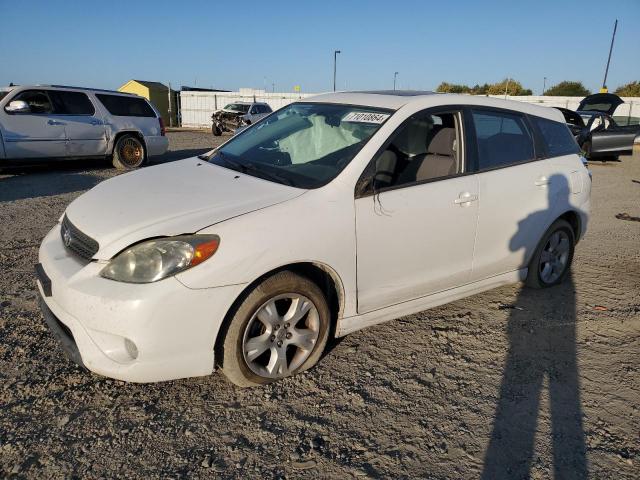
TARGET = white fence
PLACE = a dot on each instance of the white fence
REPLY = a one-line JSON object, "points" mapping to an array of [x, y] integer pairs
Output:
{"points": [[196, 107]]}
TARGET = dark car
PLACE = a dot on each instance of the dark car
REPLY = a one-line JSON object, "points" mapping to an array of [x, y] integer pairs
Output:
{"points": [[595, 130]]}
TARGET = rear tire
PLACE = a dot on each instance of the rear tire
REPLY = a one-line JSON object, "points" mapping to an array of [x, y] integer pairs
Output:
{"points": [[552, 258], [129, 153], [279, 329]]}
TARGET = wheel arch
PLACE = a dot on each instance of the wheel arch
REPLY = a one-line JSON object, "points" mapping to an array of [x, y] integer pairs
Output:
{"points": [[135, 133], [325, 277], [573, 218]]}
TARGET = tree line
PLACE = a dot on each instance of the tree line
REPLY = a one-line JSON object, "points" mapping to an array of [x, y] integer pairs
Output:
{"points": [[509, 86]]}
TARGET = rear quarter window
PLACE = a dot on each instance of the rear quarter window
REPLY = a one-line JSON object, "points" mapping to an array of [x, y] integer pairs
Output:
{"points": [[122, 106], [557, 137]]}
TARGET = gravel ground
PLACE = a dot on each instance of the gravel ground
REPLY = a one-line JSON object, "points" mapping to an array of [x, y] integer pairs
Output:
{"points": [[498, 385]]}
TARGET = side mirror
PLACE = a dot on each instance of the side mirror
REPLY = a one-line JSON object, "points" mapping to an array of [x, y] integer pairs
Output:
{"points": [[17, 106]]}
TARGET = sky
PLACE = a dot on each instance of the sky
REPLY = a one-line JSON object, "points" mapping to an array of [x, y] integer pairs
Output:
{"points": [[281, 44]]}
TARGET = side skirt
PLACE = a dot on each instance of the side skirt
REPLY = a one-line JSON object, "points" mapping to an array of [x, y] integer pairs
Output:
{"points": [[357, 322]]}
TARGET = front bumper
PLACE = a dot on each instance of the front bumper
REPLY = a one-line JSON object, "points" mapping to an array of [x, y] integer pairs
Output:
{"points": [[172, 327]]}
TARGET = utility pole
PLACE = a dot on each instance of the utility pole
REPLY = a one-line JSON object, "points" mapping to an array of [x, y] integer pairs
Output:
{"points": [[395, 75], [170, 116], [606, 72], [544, 85], [335, 57]]}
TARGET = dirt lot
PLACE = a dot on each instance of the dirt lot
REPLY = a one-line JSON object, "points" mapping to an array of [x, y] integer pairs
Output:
{"points": [[497, 385]]}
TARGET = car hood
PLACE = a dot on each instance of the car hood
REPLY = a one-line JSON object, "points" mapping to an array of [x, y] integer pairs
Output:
{"points": [[169, 199], [601, 102]]}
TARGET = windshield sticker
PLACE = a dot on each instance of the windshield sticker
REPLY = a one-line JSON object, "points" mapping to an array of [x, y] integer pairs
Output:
{"points": [[365, 117]]}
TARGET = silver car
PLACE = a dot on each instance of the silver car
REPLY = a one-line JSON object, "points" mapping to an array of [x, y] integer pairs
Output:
{"points": [[238, 115], [57, 122]]}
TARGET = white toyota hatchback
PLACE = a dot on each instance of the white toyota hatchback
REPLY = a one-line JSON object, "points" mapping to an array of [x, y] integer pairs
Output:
{"points": [[329, 215]]}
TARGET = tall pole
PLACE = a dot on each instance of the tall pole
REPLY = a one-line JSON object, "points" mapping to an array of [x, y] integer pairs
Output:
{"points": [[606, 72], [395, 75], [170, 116], [544, 85], [335, 57]]}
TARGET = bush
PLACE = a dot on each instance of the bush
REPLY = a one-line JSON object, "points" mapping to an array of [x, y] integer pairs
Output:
{"points": [[568, 89], [631, 89]]}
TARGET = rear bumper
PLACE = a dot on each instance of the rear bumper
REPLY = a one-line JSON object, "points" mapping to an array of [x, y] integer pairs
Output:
{"points": [[156, 145]]}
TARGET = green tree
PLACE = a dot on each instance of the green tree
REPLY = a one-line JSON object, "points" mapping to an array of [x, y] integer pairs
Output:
{"points": [[631, 89], [568, 89], [508, 86], [445, 87]]}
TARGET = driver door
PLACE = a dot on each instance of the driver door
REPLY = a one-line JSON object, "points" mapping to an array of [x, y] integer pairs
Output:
{"points": [[416, 219], [39, 133]]}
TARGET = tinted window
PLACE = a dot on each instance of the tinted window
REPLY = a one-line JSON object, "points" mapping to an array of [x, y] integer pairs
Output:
{"points": [[425, 148], [503, 139], [557, 137], [72, 103], [266, 109], [38, 101], [122, 106]]}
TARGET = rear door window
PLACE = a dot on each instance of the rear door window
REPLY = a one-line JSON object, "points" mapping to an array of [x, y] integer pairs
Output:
{"points": [[557, 137], [122, 106], [72, 103], [503, 139]]}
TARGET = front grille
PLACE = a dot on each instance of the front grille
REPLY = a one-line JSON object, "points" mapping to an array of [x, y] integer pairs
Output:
{"points": [[77, 242]]}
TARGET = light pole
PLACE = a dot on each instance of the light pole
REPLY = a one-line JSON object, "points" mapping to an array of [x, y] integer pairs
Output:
{"points": [[606, 72], [395, 75], [335, 57], [544, 85]]}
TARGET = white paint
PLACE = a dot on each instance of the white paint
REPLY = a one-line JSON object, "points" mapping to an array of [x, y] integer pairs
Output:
{"points": [[419, 252]]}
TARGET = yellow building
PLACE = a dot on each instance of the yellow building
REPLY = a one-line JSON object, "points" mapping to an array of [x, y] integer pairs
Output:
{"points": [[158, 94]]}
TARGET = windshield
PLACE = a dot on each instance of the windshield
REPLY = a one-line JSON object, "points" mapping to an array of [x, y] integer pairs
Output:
{"points": [[304, 145], [237, 107]]}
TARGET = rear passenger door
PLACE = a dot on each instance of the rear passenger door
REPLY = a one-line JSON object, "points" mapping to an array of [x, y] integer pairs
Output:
{"points": [[83, 123], [514, 179]]}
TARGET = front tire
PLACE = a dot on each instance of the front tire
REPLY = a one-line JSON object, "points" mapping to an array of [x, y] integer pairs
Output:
{"points": [[129, 153], [279, 329], [552, 258], [216, 131]]}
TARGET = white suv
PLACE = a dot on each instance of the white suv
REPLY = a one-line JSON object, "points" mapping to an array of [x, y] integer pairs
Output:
{"points": [[54, 122], [333, 214]]}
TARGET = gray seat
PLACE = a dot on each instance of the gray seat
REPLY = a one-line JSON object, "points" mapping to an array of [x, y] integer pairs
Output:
{"points": [[440, 160]]}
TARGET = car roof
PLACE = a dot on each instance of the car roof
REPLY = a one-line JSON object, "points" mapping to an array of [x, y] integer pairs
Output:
{"points": [[396, 99], [69, 87]]}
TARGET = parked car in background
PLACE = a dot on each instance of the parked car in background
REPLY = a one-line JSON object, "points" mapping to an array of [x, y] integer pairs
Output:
{"points": [[333, 214], [596, 131], [50, 122], [237, 115]]}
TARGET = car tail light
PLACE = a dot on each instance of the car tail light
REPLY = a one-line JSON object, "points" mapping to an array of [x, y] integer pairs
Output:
{"points": [[163, 131]]}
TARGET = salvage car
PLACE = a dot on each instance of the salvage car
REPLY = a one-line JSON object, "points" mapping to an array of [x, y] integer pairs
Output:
{"points": [[55, 122], [596, 131], [333, 214], [238, 115]]}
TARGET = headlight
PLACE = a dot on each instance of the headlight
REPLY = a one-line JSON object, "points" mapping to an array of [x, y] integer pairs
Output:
{"points": [[154, 260]]}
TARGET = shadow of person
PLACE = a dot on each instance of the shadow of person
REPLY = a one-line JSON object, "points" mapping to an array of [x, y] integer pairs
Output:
{"points": [[542, 346]]}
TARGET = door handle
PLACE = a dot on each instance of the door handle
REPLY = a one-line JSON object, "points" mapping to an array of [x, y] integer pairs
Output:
{"points": [[465, 198], [54, 122], [542, 181]]}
